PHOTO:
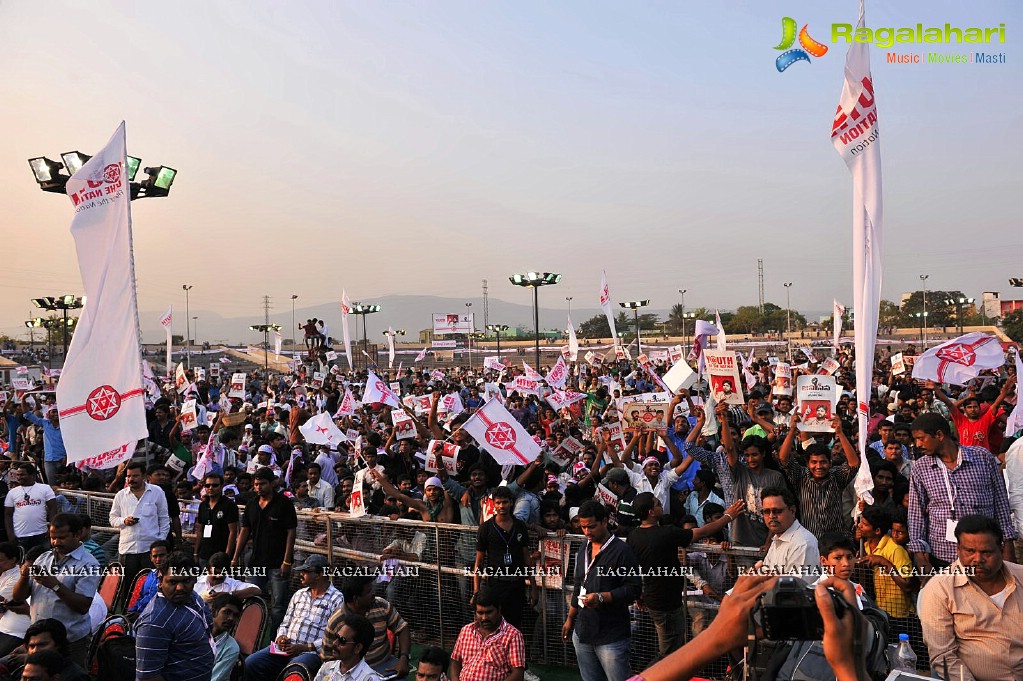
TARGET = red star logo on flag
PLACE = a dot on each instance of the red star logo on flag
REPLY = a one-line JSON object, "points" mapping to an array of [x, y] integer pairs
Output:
{"points": [[102, 403], [958, 354], [500, 435]]}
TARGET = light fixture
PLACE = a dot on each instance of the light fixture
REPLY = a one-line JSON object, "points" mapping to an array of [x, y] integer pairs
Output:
{"points": [[133, 167], [48, 175], [74, 160]]}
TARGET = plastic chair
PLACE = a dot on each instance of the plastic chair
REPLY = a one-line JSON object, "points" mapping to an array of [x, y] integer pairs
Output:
{"points": [[251, 625], [135, 593], [111, 582], [296, 671]]}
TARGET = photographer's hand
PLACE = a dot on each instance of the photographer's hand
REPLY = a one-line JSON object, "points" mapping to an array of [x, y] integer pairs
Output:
{"points": [[844, 636], [727, 632]]}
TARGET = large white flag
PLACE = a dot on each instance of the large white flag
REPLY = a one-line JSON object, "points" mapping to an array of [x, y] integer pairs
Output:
{"points": [[836, 322], [278, 342], [347, 405], [346, 334], [378, 391], [701, 332], [390, 347], [722, 337], [321, 430], [167, 322], [558, 374], [503, 437], [959, 360], [422, 355], [856, 137], [605, 305], [100, 391], [573, 343]]}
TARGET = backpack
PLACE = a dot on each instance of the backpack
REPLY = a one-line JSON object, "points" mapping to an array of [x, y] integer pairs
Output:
{"points": [[113, 650]]}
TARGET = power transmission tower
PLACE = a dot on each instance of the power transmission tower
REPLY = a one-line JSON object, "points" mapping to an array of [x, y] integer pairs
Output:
{"points": [[760, 276], [486, 306]]}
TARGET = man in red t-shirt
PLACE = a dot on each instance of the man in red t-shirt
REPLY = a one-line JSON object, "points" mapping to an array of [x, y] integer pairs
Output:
{"points": [[972, 425]]}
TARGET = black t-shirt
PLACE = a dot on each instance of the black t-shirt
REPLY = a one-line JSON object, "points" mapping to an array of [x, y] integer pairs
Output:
{"points": [[656, 548], [218, 518], [268, 529], [496, 544]]}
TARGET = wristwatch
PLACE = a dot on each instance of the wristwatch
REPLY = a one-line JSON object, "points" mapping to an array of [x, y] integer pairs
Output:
{"points": [[56, 587], [600, 597]]}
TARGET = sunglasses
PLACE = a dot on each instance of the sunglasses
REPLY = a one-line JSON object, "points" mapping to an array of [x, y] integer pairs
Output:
{"points": [[773, 511], [211, 484], [342, 641]]}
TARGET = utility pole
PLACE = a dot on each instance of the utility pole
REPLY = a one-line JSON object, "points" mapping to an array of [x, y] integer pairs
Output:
{"points": [[486, 306], [760, 277]]}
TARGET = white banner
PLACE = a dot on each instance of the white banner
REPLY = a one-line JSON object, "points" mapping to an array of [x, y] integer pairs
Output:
{"points": [[836, 322], [573, 343], [856, 137], [167, 322], [1015, 420], [816, 399], [237, 386], [100, 392], [605, 305], [390, 347], [321, 430], [452, 323], [378, 391], [346, 334]]}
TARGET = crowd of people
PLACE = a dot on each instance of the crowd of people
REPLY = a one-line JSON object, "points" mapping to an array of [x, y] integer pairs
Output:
{"points": [[213, 513]]}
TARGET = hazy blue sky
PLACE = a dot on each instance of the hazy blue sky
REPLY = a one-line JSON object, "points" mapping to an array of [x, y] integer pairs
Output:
{"points": [[398, 147]]}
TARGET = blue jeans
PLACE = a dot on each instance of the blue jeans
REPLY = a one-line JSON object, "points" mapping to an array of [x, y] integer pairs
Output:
{"points": [[263, 665], [278, 588], [608, 662]]}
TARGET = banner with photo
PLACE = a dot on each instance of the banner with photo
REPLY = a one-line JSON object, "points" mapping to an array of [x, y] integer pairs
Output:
{"points": [[644, 416], [816, 399], [723, 374], [782, 383], [444, 324]]}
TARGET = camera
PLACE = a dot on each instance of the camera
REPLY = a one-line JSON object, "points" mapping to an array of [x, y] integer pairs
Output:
{"points": [[788, 611]]}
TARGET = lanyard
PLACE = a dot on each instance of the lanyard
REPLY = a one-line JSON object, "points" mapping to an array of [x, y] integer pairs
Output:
{"points": [[588, 562], [948, 484]]}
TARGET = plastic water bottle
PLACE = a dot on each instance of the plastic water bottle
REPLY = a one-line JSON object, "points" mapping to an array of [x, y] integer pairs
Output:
{"points": [[905, 658]]}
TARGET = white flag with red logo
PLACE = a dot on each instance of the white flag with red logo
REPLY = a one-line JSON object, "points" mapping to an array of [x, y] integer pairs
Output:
{"points": [[422, 355], [531, 373], [100, 391], [960, 360], [558, 374], [451, 404], [559, 399], [390, 347], [856, 137], [495, 429], [1015, 420], [167, 322], [321, 430], [573, 343], [379, 392], [605, 305], [493, 363], [346, 309], [347, 405]]}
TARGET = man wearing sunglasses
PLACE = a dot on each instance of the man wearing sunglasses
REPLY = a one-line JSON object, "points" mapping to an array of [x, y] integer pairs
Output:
{"points": [[349, 650], [216, 526]]}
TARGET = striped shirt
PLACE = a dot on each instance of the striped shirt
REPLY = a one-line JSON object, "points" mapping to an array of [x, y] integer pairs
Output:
{"points": [[977, 487], [174, 641], [307, 616], [383, 616], [820, 503]]}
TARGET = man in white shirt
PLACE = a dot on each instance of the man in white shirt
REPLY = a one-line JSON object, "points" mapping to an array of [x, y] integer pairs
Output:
{"points": [[793, 549], [139, 511], [349, 657], [318, 488], [29, 508], [216, 581]]}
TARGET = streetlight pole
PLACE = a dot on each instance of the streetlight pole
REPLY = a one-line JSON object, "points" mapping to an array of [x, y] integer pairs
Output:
{"points": [[788, 319], [294, 325], [922, 316], [468, 335], [362, 311], [923, 280], [188, 341], [535, 280], [569, 299], [634, 306], [497, 329], [682, 292]]}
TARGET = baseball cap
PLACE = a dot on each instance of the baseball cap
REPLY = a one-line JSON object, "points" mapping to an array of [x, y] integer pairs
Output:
{"points": [[617, 476], [433, 482], [313, 562]]}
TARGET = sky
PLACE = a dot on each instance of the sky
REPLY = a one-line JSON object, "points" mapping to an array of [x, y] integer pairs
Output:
{"points": [[394, 148]]}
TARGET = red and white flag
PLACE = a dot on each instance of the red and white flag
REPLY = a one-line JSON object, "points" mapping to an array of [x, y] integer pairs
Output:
{"points": [[493, 363], [1015, 420], [321, 430], [167, 322], [379, 392], [960, 360], [558, 374], [422, 355], [347, 405], [100, 392], [855, 135], [346, 309], [836, 322], [531, 373], [495, 429], [605, 305], [559, 399]]}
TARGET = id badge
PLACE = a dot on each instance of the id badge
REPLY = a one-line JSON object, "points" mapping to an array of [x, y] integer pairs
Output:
{"points": [[507, 558], [950, 530], [582, 596], [207, 531]]}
